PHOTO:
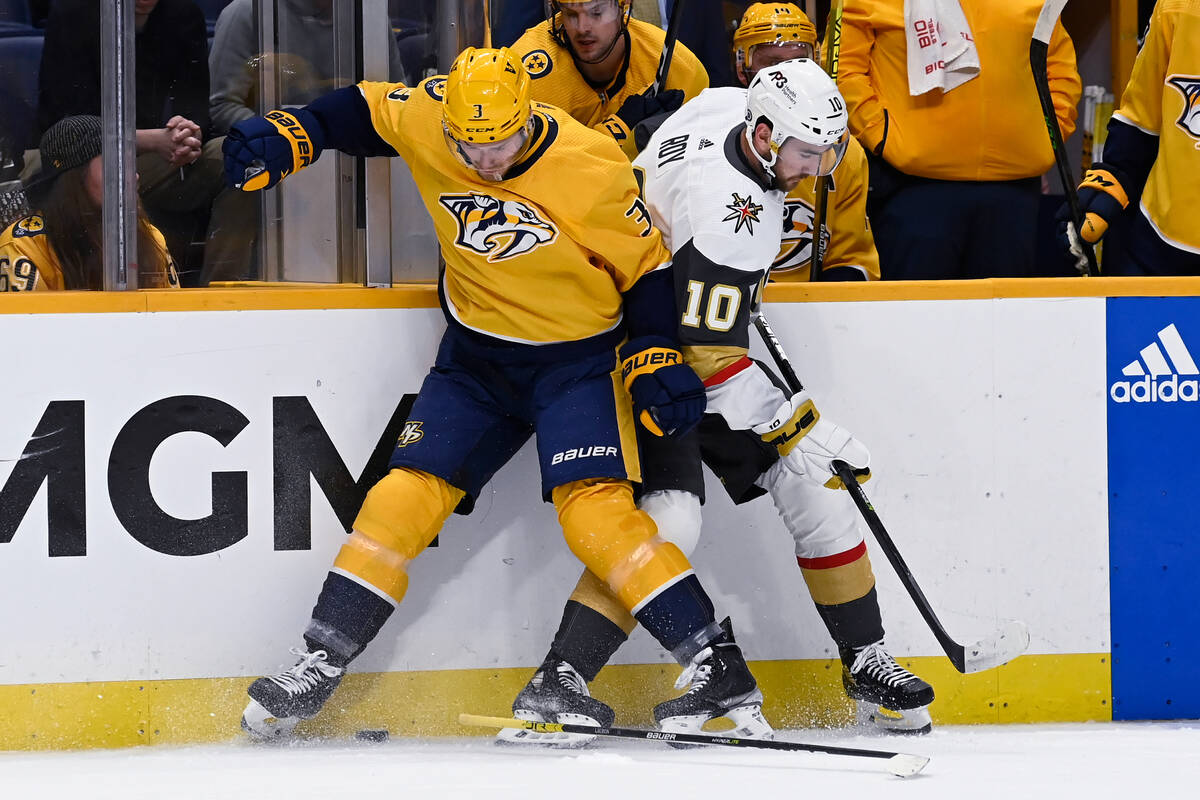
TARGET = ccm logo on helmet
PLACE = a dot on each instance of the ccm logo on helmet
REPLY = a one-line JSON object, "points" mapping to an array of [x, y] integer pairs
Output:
{"points": [[583, 452]]}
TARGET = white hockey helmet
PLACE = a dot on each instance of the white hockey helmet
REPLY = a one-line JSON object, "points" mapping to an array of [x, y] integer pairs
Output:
{"points": [[799, 101]]}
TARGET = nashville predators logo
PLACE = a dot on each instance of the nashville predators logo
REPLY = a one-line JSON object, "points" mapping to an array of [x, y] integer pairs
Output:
{"points": [[537, 63], [30, 226], [795, 246], [498, 229], [436, 88], [743, 213], [411, 434], [1189, 87]]}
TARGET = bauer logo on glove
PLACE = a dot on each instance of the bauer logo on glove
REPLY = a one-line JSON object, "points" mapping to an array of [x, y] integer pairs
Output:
{"points": [[262, 151], [668, 397]]}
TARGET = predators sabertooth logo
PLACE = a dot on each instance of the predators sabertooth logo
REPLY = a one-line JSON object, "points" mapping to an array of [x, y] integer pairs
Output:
{"points": [[498, 229], [1189, 87]]}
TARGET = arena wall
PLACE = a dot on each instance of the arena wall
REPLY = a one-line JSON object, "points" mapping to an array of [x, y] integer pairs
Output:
{"points": [[162, 541]]}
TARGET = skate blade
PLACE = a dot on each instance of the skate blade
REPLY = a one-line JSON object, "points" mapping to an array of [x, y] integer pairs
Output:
{"points": [[522, 737], [261, 726], [747, 720], [906, 722]]}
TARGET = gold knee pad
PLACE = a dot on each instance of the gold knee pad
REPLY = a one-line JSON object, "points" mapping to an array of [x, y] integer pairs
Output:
{"points": [[615, 541], [840, 578], [399, 518]]}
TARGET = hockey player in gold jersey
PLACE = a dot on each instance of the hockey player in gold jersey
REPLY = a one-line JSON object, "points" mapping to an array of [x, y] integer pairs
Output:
{"points": [[1152, 152], [595, 62], [755, 438], [542, 284], [768, 34]]}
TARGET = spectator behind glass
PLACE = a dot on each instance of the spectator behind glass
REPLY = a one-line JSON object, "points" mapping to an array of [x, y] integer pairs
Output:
{"points": [[955, 171], [60, 246], [181, 174], [305, 68]]}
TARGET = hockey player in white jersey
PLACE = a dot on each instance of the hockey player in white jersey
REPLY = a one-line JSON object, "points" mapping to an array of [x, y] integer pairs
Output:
{"points": [[715, 177]]}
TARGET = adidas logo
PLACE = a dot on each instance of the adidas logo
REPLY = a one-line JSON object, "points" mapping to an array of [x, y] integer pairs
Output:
{"points": [[1157, 382], [703, 144]]}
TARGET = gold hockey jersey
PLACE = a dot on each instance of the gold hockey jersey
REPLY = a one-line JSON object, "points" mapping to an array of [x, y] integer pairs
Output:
{"points": [[989, 128], [558, 82], [28, 262], [847, 229], [542, 256], [1163, 100]]}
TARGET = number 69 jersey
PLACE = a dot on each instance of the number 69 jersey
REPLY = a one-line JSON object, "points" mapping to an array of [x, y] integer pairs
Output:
{"points": [[721, 223]]}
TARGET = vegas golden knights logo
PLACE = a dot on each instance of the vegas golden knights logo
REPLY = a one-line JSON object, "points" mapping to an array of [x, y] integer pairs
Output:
{"points": [[1189, 87], [498, 229]]}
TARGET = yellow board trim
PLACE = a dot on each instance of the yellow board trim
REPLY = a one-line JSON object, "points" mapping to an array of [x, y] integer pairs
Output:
{"points": [[303, 297], [799, 694]]}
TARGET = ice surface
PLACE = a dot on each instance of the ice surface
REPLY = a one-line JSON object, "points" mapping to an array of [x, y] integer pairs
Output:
{"points": [[1015, 762]]}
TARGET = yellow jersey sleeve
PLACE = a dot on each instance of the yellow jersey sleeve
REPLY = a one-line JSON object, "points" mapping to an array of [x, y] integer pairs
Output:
{"points": [[388, 104], [27, 261]]}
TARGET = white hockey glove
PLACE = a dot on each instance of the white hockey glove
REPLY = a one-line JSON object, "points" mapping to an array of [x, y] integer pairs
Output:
{"points": [[808, 445]]}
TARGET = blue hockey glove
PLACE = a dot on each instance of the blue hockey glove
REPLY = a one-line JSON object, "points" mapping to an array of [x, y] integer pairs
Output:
{"points": [[668, 397], [262, 151], [1102, 198]]}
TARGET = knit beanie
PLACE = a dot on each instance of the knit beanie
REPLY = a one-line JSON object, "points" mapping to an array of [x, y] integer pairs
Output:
{"points": [[69, 143]]}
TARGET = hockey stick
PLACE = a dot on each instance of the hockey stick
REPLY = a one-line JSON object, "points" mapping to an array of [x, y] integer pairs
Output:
{"points": [[903, 765], [664, 61], [833, 48], [1001, 647], [1038, 48]]}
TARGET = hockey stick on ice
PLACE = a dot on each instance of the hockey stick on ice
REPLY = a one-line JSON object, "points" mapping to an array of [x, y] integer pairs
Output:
{"points": [[833, 48], [1038, 48], [1001, 647], [903, 765]]}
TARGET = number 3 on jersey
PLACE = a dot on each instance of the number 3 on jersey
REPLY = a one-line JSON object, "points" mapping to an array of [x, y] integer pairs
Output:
{"points": [[715, 307]]}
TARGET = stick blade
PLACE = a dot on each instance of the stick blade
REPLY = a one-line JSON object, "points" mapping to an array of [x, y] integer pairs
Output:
{"points": [[1001, 647], [905, 765]]}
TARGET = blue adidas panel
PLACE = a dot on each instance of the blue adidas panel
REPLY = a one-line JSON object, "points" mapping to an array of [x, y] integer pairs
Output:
{"points": [[1153, 386]]}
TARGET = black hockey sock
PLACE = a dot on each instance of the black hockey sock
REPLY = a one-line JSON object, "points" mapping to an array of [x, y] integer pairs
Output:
{"points": [[854, 624], [586, 639], [678, 612], [346, 618]]}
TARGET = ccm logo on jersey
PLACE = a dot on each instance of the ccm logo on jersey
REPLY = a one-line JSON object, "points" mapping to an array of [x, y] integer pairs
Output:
{"points": [[498, 229], [583, 452]]}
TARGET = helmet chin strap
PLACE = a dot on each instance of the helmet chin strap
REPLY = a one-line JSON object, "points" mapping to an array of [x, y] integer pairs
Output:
{"points": [[767, 166]]}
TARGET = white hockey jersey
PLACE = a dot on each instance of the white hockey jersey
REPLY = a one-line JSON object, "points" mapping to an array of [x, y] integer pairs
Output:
{"points": [[723, 226]]}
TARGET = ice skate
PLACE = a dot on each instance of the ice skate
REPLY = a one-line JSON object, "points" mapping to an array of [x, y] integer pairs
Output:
{"points": [[279, 702], [886, 694], [556, 693], [721, 686]]}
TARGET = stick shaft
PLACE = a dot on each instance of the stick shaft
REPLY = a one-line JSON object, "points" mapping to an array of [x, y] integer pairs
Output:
{"points": [[833, 47], [664, 61]]}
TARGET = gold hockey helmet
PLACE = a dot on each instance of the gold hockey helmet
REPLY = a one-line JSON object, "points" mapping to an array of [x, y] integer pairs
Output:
{"points": [[772, 23], [486, 96]]}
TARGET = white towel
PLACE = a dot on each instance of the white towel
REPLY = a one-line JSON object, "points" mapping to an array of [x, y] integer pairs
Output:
{"points": [[941, 50]]}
